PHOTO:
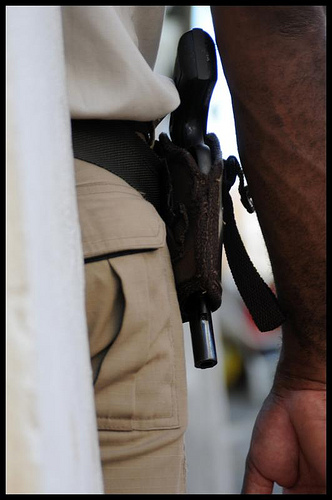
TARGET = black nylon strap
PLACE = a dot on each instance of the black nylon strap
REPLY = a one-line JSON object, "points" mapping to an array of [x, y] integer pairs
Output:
{"points": [[113, 145], [258, 297]]}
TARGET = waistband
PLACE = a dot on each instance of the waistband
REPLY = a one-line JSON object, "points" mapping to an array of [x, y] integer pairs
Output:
{"points": [[116, 146]]}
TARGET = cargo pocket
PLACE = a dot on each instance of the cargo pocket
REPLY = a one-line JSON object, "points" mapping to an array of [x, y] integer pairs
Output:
{"points": [[123, 235]]}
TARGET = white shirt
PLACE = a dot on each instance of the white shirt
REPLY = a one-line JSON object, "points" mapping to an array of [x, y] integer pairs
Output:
{"points": [[110, 53]]}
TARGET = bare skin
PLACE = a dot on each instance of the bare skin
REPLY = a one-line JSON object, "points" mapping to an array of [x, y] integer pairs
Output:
{"points": [[274, 62], [288, 442]]}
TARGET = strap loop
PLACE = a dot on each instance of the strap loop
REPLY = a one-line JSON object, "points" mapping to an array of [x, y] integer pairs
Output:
{"points": [[233, 170], [258, 297]]}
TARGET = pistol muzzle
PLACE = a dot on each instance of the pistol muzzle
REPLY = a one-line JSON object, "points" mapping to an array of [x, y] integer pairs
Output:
{"points": [[201, 327]]}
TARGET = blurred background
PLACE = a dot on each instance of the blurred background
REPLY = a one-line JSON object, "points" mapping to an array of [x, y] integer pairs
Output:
{"points": [[223, 401]]}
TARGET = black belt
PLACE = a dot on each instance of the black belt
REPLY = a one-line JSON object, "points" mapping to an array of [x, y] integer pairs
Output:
{"points": [[115, 146]]}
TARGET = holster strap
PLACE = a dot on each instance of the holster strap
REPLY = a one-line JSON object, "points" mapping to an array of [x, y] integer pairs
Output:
{"points": [[261, 302]]}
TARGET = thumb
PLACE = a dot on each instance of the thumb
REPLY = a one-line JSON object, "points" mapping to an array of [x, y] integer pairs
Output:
{"points": [[255, 482]]}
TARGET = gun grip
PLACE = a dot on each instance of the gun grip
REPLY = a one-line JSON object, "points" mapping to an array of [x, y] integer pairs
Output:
{"points": [[195, 75]]}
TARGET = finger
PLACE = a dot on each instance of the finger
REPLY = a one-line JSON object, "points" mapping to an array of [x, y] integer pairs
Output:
{"points": [[255, 482]]}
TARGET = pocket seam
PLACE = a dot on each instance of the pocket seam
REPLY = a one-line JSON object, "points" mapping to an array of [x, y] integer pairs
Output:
{"points": [[144, 423]]}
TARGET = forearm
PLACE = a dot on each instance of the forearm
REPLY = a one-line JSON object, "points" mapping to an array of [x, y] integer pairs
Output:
{"points": [[274, 61]]}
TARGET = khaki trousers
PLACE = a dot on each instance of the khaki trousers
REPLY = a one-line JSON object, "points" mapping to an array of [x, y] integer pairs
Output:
{"points": [[135, 336]]}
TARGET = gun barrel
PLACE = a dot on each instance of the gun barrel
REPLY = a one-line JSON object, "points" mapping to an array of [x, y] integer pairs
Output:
{"points": [[202, 335]]}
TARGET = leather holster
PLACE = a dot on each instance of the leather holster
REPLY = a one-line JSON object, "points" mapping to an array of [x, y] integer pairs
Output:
{"points": [[192, 211]]}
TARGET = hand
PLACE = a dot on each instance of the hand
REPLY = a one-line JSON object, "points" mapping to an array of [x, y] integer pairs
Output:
{"points": [[288, 444]]}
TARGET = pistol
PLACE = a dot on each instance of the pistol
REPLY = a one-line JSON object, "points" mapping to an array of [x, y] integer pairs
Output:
{"points": [[195, 75]]}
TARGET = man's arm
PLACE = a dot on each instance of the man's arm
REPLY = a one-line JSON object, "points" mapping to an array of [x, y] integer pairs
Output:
{"points": [[274, 62]]}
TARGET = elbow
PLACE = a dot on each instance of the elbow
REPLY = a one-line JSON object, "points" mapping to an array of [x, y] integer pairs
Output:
{"points": [[296, 21], [284, 21]]}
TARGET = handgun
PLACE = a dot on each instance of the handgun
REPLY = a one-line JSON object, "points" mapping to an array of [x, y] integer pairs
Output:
{"points": [[195, 76]]}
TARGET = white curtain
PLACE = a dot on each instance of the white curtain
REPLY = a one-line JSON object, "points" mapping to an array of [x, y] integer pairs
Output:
{"points": [[51, 427]]}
